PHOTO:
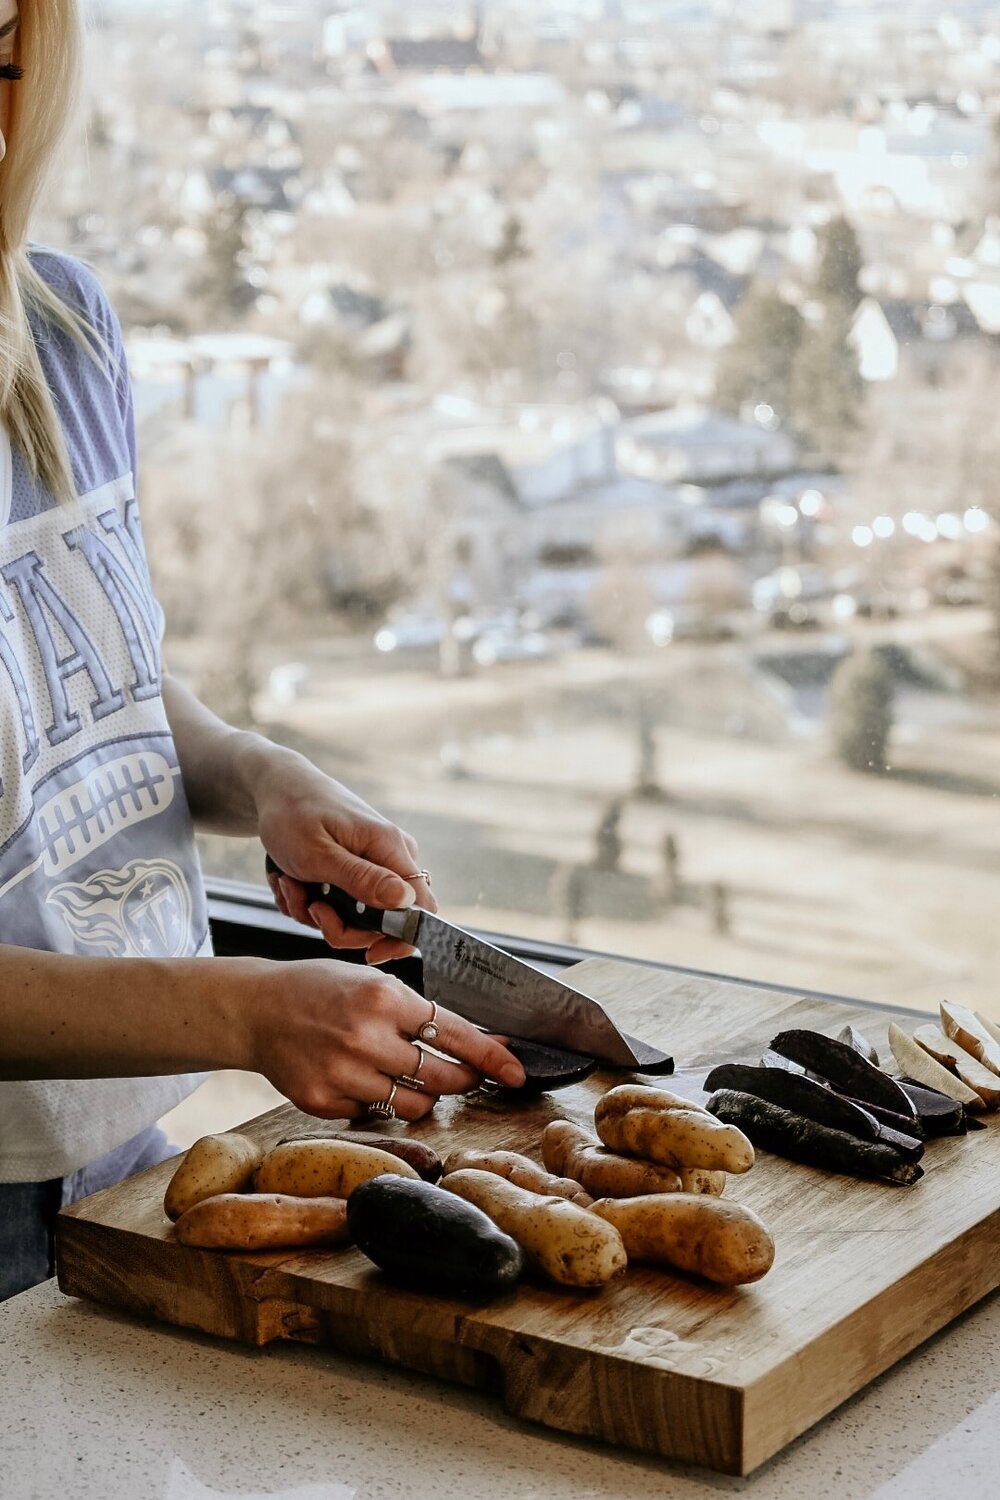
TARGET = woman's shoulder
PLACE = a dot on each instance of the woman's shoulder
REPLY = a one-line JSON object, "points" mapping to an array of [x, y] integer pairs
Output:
{"points": [[74, 283]]}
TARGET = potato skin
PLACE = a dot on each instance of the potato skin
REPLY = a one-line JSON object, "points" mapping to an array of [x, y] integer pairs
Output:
{"points": [[722, 1241], [263, 1221], [569, 1149], [701, 1180], [214, 1164], [626, 1096], [422, 1236], [522, 1172], [556, 1236], [629, 1119], [324, 1169], [424, 1161]]}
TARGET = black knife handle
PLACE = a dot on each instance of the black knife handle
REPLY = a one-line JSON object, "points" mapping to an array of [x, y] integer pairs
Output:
{"points": [[352, 913]]}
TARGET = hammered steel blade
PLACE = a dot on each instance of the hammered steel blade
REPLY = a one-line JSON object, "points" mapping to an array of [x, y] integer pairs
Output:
{"points": [[488, 986]]}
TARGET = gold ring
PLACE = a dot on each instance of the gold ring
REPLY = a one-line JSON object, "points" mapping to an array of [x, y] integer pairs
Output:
{"points": [[418, 875], [413, 1080], [384, 1111], [428, 1032]]}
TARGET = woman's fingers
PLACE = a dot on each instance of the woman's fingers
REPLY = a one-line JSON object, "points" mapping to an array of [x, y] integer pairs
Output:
{"points": [[484, 1053], [320, 914], [438, 1075]]}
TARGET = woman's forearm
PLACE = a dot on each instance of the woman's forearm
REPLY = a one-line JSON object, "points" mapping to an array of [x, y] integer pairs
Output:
{"points": [[333, 1037], [63, 1016], [221, 766]]}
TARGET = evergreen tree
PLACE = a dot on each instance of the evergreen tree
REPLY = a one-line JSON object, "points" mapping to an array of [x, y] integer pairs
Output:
{"points": [[840, 264], [826, 390], [511, 245], [757, 365], [222, 286], [861, 711]]}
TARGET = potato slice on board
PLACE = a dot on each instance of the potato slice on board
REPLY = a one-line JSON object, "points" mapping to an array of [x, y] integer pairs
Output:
{"points": [[961, 1025], [913, 1062], [988, 1025], [968, 1068]]}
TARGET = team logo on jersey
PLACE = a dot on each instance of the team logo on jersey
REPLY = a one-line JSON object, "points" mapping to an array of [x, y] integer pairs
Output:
{"points": [[141, 911]]}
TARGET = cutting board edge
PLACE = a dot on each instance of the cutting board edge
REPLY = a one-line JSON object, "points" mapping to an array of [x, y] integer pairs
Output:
{"points": [[768, 1392]]}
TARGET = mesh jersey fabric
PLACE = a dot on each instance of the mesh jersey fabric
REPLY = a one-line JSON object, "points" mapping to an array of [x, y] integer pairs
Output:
{"points": [[97, 852]]}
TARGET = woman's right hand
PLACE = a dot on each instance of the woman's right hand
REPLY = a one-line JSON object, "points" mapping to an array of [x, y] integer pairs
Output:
{"points": [[334, 1037]]}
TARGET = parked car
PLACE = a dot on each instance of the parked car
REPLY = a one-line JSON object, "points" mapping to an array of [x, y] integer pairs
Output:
{"points": [[504, 645]]}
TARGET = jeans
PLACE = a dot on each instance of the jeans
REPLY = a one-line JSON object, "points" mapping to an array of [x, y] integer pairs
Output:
{"points": [[28, 1209]]}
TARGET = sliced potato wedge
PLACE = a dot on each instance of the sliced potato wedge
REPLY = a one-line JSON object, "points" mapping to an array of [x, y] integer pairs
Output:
{"points": [[913, 1062], [990, 1026], [961, 1025], [969, 1068]]}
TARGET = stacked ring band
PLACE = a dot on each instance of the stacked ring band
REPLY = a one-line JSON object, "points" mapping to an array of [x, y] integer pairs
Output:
{"points": [[384, 1110], [413, 1080]]}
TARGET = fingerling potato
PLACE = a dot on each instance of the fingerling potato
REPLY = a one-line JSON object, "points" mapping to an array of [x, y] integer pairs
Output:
{"points": [[214, 1164], [263, 1221], [722, 1241], [324, 1168], [634, 1121], [556, 1236], [521, 1171]]}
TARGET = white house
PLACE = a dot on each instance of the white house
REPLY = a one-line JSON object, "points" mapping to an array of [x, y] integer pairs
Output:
{"points": [[698, 445]]}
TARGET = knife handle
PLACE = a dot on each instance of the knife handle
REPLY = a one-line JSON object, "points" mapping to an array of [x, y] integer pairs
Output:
{"points": [[351, 912]]}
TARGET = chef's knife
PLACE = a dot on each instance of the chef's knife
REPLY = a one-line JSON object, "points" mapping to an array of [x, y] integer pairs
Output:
{"points": [[495, 990]]}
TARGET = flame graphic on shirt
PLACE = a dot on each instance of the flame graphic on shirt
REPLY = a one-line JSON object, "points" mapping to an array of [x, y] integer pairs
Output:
{"points": [[141, 911]]}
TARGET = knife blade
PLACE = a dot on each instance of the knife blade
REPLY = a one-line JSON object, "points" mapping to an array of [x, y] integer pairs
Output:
{"points": [[494, 989]]}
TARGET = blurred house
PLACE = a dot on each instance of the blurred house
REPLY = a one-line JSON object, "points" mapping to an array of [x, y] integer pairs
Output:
{"points": [[698, 445]]}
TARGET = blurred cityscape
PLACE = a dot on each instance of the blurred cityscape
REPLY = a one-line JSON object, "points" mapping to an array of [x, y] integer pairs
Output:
{"points": [[574, 425]]}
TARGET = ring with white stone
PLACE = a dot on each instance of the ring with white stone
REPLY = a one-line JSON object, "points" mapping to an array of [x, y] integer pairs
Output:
{"points": [[428, 1032]]}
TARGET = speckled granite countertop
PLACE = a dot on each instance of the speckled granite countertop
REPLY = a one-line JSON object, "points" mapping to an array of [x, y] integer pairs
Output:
{"points": [[95, 1406]]}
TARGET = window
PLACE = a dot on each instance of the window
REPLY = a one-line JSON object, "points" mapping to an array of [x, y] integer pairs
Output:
{"points": [[574, 425]]}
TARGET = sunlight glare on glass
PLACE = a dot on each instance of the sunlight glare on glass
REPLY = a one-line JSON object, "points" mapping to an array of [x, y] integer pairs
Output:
{"points": [[660, 627], [949, 525]]}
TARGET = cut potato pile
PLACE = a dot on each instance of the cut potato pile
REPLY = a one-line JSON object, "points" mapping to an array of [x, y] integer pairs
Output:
{"points": [[656, 1167], [961, 1058]]}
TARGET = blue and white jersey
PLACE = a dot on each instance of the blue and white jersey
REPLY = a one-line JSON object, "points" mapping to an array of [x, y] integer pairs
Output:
{"points": [[97, 852]]}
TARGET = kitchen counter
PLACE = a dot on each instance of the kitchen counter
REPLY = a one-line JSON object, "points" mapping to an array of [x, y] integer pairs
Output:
{"points": [[97, 1406]]}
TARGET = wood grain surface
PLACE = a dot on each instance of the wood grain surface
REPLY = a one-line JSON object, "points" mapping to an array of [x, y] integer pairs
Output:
{"points": [[864, 1272]]}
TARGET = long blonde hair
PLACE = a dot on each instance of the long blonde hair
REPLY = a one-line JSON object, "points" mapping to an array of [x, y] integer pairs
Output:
{"points": [[49, 49]]}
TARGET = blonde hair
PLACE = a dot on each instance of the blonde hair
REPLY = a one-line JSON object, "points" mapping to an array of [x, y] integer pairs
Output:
{"points": [[49, 49]]}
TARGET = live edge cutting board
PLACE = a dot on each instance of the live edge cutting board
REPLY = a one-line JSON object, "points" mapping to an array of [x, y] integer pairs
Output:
{"points": [[864, 1272]]}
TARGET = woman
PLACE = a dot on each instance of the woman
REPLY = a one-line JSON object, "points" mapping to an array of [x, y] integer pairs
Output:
{"points": [[109, 1008]]}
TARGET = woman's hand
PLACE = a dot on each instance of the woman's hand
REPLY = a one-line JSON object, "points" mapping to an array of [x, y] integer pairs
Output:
{"points": [[317, 830], [336, 1037], [313, 828]]}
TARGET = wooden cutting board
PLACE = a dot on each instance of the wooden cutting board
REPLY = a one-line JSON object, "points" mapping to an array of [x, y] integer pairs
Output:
{"points": [[863, 1273]]}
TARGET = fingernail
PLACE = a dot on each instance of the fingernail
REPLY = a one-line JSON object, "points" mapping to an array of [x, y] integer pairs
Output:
{"points": [[512, 1075], [396, 903], [313, 912]]}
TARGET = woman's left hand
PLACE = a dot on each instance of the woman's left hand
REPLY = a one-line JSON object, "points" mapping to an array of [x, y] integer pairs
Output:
{"points": [[317, 830]]}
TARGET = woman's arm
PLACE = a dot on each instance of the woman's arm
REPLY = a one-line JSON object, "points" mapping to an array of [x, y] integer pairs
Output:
{"points": [[331, 1036]]}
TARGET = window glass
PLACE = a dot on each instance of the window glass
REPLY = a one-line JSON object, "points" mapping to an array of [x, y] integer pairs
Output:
{"points": [[574, 425]]}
